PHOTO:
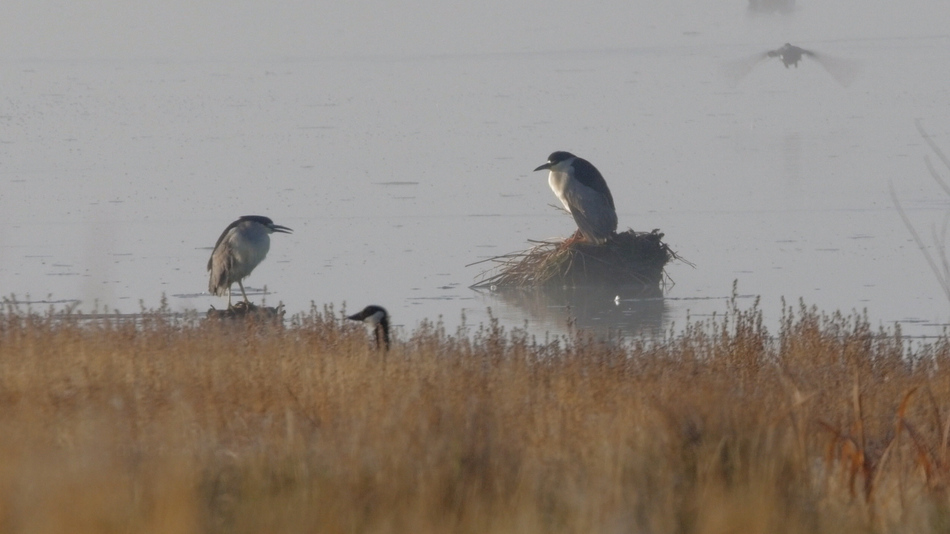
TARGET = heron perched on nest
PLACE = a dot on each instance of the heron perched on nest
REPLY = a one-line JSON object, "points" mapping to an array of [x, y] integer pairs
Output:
{"points": [[584, 193], [378, 318], [241, 247]]}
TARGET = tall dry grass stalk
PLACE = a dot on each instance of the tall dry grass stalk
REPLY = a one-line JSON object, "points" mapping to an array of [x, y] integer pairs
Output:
{"points": [[182, 425]]}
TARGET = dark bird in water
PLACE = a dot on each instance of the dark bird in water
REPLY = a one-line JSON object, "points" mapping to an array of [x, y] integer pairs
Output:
{"points": [[241, 247], [584, 193], [378, 318], [844, 71]]}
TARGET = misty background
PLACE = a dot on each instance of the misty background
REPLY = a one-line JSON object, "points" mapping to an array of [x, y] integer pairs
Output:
{"points": [[398, 141]]}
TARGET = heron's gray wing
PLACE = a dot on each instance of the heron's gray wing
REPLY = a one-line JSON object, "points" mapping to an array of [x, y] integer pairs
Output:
{"points": [[220, 240], [593, 212], [844, 71], [589, 176], [220, 265], [738, 69]]}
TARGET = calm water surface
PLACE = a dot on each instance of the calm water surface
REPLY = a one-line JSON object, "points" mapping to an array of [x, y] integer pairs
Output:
{"points": [[398, 168]]}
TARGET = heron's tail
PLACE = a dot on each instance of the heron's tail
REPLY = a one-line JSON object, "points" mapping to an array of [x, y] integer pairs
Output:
{"points": [[218, 283]]}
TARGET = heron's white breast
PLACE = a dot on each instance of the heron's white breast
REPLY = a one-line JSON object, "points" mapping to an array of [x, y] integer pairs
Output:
{"points": [[251, 249], [374, 319], [558, 181]]}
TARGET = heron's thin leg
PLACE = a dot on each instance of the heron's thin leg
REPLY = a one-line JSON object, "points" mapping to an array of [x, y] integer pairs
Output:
{"points": [[229, 298], [244, 293]]}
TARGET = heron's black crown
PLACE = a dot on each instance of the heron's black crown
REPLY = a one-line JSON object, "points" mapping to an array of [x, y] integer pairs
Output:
{"points": [[260, 219], [559, 156], [369, 312]]}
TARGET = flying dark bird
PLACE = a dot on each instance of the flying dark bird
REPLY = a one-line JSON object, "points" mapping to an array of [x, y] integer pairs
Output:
{"points": [[584, 193], [790, 54], [378, 318], [241, 247], [843, 71]]}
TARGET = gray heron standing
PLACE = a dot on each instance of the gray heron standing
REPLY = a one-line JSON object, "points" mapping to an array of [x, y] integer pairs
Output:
{"points": [[584, 193], [378, 318], [241, 247]]}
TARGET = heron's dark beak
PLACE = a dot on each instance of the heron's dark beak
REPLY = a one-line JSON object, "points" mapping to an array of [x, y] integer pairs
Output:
{"points": [[281, 229], [543, 167], [361, 316]]}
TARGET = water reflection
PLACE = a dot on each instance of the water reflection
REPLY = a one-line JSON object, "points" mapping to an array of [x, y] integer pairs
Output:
{"points": [[792, 157], [771, 6], [627, 310]]}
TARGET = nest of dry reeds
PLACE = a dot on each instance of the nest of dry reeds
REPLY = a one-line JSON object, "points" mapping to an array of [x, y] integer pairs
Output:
{"points": [[627, 258]]}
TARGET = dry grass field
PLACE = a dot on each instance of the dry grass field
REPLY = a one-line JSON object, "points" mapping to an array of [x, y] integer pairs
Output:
{"points": [[181, 425]]}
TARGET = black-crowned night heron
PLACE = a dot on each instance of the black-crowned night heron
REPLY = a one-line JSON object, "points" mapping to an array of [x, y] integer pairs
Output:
{"points": [[378, 318], [584, 193], [790, 54], [241, 247]]}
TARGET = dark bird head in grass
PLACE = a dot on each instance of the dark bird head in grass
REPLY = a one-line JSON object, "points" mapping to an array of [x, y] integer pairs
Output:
{"points": [[378, 318]]}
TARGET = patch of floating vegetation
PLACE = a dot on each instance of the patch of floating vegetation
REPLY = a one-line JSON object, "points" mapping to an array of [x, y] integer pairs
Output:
{"points": [[626, 259]]}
